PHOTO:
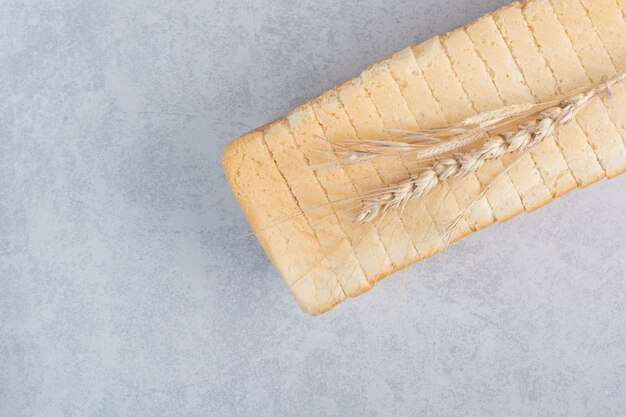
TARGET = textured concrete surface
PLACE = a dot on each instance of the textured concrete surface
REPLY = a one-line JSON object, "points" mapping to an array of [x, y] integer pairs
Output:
{"points": [[125, 289]]}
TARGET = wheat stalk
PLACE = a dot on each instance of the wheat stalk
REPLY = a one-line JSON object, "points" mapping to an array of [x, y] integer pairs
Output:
{"points": [[427, 144], [526, 135]]}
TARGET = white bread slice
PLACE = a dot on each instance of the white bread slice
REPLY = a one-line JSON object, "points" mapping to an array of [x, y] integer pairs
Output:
{"points": [[441, 204], [598, 49], [336, 126], [309, 196], [609, 22], [511, 89], [593, 53], [382, 90], [260, 188], [567, 68], [395, 114], [517, 54], [339, 236], [483, 96], [367, 124], [433, 62], [571, 140]]}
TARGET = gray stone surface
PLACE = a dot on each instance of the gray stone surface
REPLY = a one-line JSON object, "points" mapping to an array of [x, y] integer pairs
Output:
{"points": [[125, 289]]}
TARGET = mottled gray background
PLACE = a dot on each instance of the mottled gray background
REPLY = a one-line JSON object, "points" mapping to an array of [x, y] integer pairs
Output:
{"points": [[124, 290]]}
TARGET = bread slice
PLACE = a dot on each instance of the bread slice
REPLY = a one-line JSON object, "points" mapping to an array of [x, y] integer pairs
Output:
{"points": [[510, 88], [521, 53]]}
